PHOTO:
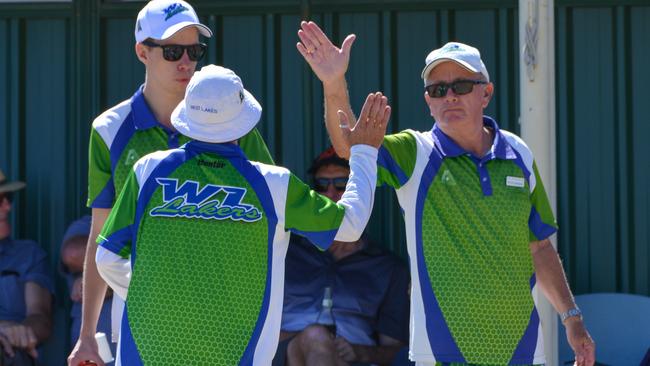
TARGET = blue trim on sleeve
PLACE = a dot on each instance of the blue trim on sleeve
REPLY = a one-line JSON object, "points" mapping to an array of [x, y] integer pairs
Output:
{"points": [[322, 239], [117, 241], [524, 354], [541, 229], [258, 183], [386, 161], [440, 338], [129, 354], [105, 198]]}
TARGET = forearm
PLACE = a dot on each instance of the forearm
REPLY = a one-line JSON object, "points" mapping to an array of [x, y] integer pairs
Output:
{"points": [[94, 287], [337, 98], [359, 194], [94, 292], [380, 355], [550, 276]]}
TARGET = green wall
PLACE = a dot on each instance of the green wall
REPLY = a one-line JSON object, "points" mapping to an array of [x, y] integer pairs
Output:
{"points": [[64, 63]]}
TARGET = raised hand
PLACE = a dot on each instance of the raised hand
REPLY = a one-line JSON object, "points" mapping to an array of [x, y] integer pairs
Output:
{"points": [[371, 126], [328, 62]]}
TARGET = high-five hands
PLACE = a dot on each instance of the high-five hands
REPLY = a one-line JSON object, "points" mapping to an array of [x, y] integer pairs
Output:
{"points": [[328, 62], [371, 126]]}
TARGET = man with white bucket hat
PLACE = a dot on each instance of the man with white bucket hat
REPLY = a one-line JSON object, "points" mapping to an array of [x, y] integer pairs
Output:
{"points": [[206, 230], [167, 43], [477, 217]]}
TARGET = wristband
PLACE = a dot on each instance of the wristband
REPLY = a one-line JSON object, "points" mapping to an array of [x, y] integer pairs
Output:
{"points": [[570, 313]]}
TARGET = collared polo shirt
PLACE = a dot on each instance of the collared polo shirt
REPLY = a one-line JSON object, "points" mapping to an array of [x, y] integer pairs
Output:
{"points": [[21, 261], [206, 232], [125, 133], [469, 221]]}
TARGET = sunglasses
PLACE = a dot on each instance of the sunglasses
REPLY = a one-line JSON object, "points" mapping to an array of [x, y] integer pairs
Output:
{"points": [[321, 184], [460, 87], [174, 52]]}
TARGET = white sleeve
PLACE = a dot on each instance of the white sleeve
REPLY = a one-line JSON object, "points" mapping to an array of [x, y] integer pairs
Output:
{"points": [[115, 270], [359, 194]]}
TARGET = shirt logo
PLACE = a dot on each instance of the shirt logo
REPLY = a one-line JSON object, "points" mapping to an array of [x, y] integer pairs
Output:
{"points": [[174, 9], [194, 203], [131, 157], [515, 182], [447, 178]]}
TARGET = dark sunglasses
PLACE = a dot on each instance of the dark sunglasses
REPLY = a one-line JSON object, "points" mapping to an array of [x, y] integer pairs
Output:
{"points": [[174, 52], [460, 87], [321, 184], [6, 195]]}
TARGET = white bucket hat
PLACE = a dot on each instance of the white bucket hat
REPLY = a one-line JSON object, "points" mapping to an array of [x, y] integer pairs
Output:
{"points": [[216, 107], [460, 53], [161, 19]]}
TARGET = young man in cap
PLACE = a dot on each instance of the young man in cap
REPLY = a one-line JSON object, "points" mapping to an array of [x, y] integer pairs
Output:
{"points": [[206, 230], [167, 43], [347, 305], [476, 213], [26, 288]]}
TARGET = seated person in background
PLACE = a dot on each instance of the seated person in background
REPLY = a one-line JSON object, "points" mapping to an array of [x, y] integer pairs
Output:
{"points": [[348, 305], [26, 289], [73, 252]]}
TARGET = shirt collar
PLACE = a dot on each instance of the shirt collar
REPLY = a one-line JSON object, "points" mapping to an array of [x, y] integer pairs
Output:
{"points": [[225, 150], [143, 118], [500, 149]]}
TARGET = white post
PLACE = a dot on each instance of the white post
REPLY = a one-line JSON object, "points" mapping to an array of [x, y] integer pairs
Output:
{"points": [[537, 85]]}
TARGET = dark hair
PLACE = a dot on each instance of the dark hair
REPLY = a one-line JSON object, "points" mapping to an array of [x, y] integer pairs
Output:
{"points": [[327, 157]]}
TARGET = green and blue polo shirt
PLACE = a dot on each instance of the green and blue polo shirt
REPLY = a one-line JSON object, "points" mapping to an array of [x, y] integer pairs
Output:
{"points": [[469, 223], [206, 233]]}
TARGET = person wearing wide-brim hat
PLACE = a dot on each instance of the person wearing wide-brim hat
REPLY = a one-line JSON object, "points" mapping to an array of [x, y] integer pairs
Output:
{"points": [[26, 287], [206, 231]]}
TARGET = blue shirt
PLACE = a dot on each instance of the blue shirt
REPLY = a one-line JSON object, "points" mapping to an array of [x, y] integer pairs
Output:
{"points": [[369, 292], [21, 261]]}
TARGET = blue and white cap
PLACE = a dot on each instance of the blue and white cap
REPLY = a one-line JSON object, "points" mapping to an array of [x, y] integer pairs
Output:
{"points": [[216, 107], [460, 53], [161, 19]]}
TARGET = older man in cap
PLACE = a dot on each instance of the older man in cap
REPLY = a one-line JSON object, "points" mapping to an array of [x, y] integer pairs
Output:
{"points": [[167, 43], [26, 288], [476, 213], [206, 230]]}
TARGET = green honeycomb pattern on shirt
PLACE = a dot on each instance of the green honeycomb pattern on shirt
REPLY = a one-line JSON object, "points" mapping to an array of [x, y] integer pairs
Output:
{"points": [[140, 144], [198, 285], [478, 258]]}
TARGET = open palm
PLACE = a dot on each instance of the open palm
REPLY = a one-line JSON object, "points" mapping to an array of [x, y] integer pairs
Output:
{"points": [[327, 61]]}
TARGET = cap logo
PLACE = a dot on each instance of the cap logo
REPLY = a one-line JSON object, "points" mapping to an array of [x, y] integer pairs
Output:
{"points": [[201, 108], [450, 48], [241, 97], [174, 9], [138, 26]]}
